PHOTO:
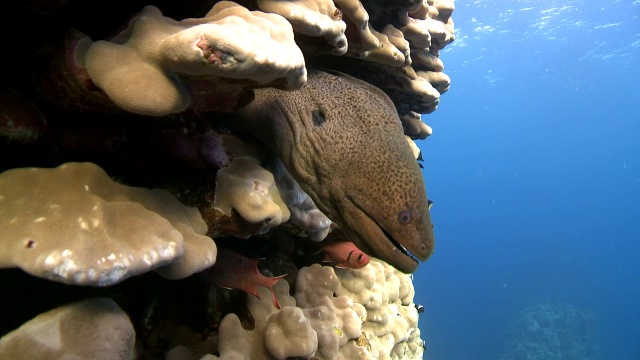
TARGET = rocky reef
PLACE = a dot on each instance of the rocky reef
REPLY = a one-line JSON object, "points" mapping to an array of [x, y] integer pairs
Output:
{"points": [[216, 179], [552, 331]]}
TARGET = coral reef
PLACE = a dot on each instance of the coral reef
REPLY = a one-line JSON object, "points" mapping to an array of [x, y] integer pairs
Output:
{"points": [[104, 328], [552, 331], [325, 319], [163, 159]]}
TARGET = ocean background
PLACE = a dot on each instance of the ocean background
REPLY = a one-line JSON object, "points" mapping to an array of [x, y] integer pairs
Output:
{"points": [[534, 170]]}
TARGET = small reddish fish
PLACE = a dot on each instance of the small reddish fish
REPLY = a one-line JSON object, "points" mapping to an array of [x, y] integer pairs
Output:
{"points": [[345, 254], [235, 271]]}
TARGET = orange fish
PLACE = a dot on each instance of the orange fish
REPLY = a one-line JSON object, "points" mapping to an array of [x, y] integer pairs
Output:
{"points": [[345, 254], [235, 271]]}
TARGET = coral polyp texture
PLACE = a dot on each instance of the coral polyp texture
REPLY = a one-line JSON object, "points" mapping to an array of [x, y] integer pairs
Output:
{"points": [[217, 179]]}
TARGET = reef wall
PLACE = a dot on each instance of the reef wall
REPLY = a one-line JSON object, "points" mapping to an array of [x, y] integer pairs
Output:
{"points": [[216, 179]]}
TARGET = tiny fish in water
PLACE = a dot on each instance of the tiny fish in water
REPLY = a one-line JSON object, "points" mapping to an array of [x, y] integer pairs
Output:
{"points": [[345, 254], [235, 271]]}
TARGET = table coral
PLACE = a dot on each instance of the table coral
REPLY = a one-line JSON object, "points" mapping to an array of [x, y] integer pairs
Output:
{"points": [[75, 225], [313, 18], [159, 53], [93, 329]]}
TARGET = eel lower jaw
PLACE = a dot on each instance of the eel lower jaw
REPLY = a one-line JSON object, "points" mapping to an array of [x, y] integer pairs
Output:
{"points": [[398, 246], [379, 243]]}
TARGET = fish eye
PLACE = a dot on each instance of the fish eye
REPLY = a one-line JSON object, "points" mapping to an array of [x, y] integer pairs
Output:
{"points": [[404, 217]]}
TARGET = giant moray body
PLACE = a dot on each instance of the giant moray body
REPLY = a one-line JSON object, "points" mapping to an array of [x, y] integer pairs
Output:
{"points": [[342, 140]]}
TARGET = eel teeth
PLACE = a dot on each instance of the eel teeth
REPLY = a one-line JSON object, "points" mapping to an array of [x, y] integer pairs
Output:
{"points": [[399, 246], [408, 253]]}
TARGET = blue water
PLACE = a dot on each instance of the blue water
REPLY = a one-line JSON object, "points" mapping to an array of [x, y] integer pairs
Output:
{"points": [[534, 167]]}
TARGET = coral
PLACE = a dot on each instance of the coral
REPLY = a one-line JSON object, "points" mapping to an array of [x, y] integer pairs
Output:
{"points": [[277, 333], [94, 329], [391, 318], [355, 12], [312, 18], [552, 331], [363, 313], [248, 189], [75, 225], [336, 319], [414, 127], [159, 53], [410, 36]]}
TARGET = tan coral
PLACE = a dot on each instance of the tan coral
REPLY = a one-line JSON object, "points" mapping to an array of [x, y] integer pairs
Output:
{"points": [[248, 189], [445, 9], [414, 127], [358, 15], [142, 70], [418, 86], [267, 339], [336, 319], [94, 329], [289, 333], [73, 224], [414, 147], [317, 18], [424, 59], [337, 314], [386, 53], [415, 31], [439, 80], [391, 317]]}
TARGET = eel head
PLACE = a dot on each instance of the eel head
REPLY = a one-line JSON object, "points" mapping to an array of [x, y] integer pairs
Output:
{"points": [[399, 233]]}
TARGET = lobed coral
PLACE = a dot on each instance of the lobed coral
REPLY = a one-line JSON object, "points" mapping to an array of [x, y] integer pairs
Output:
{"points": [[221, 109], [326, 320]]}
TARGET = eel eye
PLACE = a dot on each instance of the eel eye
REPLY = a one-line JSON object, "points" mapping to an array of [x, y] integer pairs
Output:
{"points": [[404, 217], [318, 117]]}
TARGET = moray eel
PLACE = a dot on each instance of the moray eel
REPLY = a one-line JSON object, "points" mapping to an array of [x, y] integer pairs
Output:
{"points": [[342, 140]]}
